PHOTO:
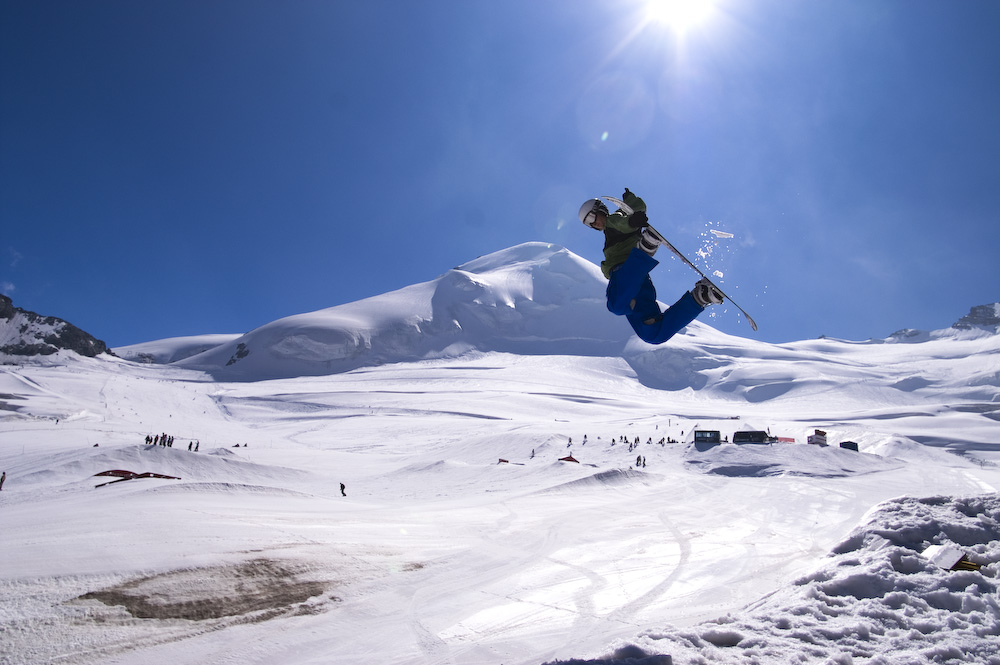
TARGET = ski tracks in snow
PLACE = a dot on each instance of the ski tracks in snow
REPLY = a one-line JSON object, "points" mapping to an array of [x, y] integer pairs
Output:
{"points": [[530, 574]]}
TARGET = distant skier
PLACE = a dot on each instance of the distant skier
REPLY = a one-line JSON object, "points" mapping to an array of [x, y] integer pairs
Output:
{"points": [[343, 489], [2, 479], [628, 258]]}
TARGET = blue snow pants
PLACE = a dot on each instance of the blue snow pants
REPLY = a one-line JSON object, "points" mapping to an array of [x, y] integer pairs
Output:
{"points": [[631, 294]]}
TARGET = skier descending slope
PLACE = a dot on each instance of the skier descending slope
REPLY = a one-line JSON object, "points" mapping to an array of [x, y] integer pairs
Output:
{"points": [[629, 247]]}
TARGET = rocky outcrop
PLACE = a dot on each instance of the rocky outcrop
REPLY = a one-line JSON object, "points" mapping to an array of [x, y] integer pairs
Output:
{"points": [[24, 333], [985, 317]]}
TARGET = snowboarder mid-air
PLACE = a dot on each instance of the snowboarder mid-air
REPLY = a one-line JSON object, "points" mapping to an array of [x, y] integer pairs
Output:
{"points": [[629, 246]]}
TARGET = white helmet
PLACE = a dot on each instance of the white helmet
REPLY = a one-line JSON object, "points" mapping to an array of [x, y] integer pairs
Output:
{"points": [[589, 209]]}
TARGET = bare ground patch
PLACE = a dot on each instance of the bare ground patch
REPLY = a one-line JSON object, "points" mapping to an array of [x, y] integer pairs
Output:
{"points": [[258, 590]]}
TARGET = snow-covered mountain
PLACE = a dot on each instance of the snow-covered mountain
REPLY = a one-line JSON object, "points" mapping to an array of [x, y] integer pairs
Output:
{"points": [[982, 317], [981, 321], [531, 299], [541, 299], [25, 334], [173, 349]]}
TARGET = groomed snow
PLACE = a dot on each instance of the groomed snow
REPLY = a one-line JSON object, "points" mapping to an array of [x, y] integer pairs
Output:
{"points": [[442, 553]]}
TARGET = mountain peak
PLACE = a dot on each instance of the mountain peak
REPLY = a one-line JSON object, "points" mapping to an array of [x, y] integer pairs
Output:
{"points": [[531, 299], [984, 317], [24, 333], [525, 254]]}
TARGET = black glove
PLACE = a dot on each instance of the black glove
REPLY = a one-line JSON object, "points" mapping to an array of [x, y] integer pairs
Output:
{"points": [[638, 219]]}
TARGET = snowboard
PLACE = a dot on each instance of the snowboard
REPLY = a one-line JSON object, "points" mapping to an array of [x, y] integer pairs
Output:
{"points": [[666, 243]]}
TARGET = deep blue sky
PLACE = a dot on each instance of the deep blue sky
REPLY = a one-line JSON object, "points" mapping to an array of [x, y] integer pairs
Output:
{"points": [[177, 167]]}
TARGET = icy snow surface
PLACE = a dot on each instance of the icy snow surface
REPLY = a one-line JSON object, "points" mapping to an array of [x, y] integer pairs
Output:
{"points": [[444, 408]]}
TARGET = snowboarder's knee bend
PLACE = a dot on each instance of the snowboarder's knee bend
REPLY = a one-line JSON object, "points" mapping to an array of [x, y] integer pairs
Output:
{"points": [[620, 306]]}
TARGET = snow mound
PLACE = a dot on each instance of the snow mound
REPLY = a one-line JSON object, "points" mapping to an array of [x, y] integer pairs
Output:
{"points": [[173, 349], [966, 364], [875, 599], [82, 466], [225, 488], [904, 448], [602, 479], [754, 461]]}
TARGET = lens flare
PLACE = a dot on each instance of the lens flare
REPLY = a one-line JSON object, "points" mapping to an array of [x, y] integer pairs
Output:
{"points": [[679, 15]]}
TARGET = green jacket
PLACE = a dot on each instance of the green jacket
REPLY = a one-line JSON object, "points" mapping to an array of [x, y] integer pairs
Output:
{"points": [[619, 236]]}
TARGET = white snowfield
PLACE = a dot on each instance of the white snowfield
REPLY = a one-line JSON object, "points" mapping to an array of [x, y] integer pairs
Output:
{"points": [[445, 409]]}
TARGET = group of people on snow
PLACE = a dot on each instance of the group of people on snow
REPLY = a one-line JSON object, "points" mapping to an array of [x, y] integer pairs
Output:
{"points": [[160, 440], [633, 445], [168, 442]]}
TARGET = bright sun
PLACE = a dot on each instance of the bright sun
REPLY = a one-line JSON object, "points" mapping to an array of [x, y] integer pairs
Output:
{"points": [[679, 15]]}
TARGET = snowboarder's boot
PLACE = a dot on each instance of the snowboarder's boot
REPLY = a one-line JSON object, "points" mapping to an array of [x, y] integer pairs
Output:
{"points": [[648, 242], [705, 293]]}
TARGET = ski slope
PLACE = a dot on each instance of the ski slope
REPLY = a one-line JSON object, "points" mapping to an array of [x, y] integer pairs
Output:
{"points": [[462, 537]]}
